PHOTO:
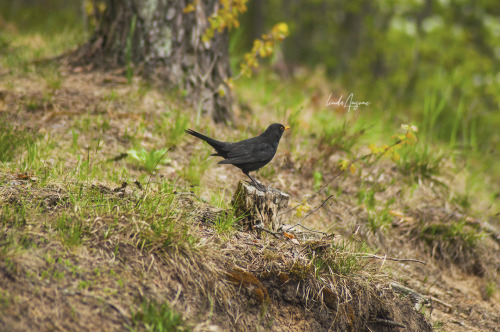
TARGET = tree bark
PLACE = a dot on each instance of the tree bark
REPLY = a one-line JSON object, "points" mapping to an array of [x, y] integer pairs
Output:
{"points": [[260, 209], [163, 42]]}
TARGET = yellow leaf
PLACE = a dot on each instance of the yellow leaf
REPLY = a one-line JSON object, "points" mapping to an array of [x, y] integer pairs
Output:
{"points": [[230, 83], [221, 90], [344, 164], [188, 9], [280, 30], [373, 148], [395, 157], [262, 52], [352, 169], [304, 207], [411, 136]]}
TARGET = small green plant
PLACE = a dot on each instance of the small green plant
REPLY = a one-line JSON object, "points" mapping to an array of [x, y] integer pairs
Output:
{"points": [[419, 162], [377, 220], [53, 80], [337, 137], [111, 96], [70, 229], [454, 242], [339, 259], [74, 141], [157, 317], [12, 140], [149, 160], [198, 164], [491, 289], [317, 180], [451, 234], [35, 151], [438, 326], [226, 220], [172, 126]]}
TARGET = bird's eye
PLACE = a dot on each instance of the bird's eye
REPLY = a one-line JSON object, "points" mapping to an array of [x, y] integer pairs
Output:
{"points": [[282, 128]]}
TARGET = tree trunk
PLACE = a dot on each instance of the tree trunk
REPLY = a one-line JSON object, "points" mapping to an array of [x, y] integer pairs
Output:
{"points": [[164, 42]]}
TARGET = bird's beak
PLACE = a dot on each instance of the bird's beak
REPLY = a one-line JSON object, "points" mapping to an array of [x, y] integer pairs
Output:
{"points": [[286, 128]]}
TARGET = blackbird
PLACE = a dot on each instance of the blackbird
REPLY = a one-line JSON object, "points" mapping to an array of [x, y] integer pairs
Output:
{"points": [[250, 154]]}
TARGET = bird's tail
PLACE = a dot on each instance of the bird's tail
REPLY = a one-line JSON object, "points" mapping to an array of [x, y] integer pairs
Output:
{"points": [[214, 143]]}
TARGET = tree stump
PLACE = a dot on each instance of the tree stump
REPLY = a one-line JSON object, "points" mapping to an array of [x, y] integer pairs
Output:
{"points": [[261, 209]]}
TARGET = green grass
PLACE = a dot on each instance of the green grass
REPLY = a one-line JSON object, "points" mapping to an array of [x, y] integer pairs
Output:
{"points": [[13, 140], [490, 289], [421, 162], [149, 160], [454, 233], [198, 165], [171, 126], [226, 220], [39, 32], [157, 317]]}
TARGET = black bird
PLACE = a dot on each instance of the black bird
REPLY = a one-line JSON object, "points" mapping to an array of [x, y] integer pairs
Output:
{"points": [[250, 154]]}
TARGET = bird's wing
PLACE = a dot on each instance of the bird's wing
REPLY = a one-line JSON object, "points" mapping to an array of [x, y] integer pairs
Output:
{"points": [[251, 152]]}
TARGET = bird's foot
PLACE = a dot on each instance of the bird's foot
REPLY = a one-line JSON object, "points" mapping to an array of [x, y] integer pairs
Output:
{"points": [[258, 185]]}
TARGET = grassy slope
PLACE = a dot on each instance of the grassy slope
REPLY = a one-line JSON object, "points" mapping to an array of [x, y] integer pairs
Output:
{"points": [[81, 250]]}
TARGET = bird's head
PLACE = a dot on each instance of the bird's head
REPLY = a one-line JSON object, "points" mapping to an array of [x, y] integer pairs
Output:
{"points": [[275, 130]]}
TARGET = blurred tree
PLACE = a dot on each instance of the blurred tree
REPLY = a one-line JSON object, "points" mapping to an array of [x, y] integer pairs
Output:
{"points": [[163, 39]]}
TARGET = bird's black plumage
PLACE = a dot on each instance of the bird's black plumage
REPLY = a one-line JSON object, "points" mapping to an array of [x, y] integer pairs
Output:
{"points": [[250, 154]]}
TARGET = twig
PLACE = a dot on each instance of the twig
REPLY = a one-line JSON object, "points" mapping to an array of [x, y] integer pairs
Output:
{"points": [[151, 175], [432, 298], [191, 194], [312, 230], [268, 231], [311, 212], [405, 290], [390, 258]]}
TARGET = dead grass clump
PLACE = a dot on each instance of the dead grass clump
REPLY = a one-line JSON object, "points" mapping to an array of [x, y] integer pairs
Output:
{"points": [[450, 239], [340, 290]]}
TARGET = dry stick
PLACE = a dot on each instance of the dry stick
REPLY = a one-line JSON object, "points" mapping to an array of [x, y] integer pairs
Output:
{"points": [[268, 231], [307, 215], [390, 258], [405, 290]]}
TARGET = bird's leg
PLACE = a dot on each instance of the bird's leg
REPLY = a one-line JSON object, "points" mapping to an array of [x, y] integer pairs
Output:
{"points": [[256, 183]]}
